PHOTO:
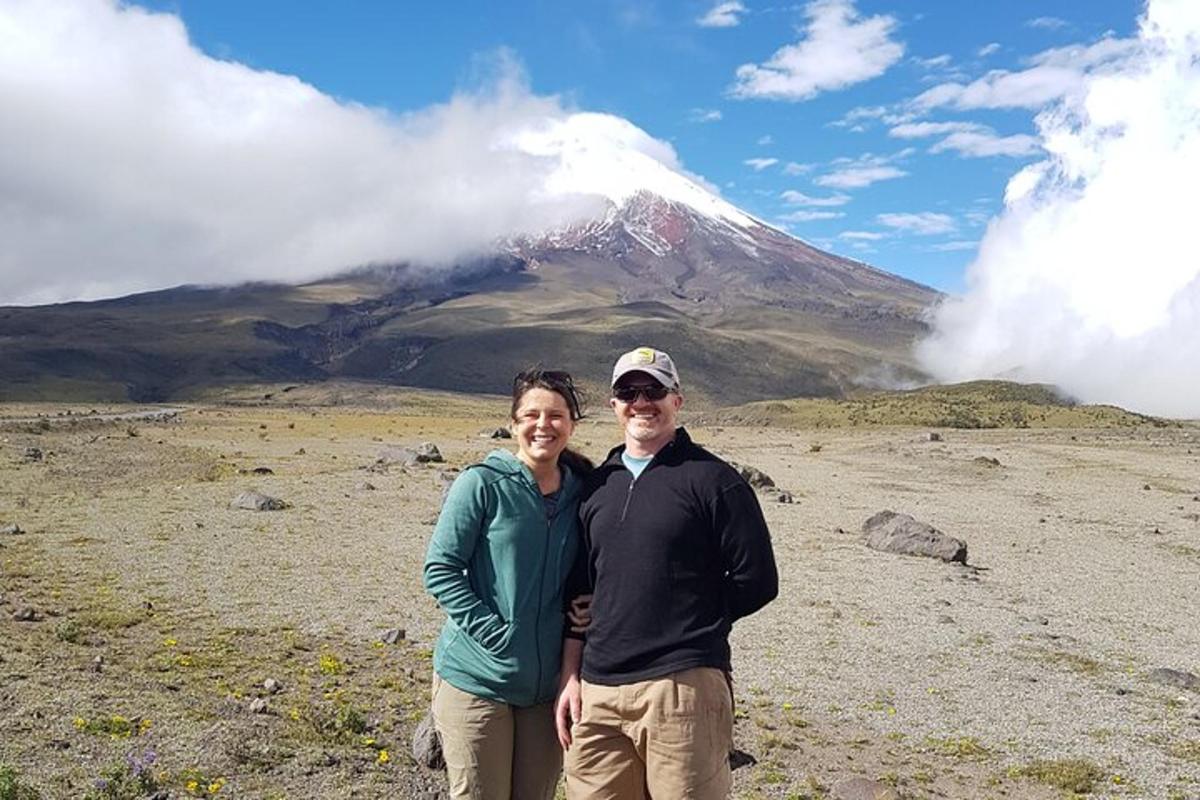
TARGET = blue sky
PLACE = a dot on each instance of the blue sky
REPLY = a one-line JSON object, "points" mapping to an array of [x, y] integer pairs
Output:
{"points": [[674, 73]]}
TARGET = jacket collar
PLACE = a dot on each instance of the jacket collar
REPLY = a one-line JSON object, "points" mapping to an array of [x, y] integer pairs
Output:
{"points": [[669, 451]]}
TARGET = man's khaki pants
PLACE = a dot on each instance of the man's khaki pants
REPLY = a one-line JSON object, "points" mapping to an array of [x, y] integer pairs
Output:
{"points": [[495, 751], [664, 738]]}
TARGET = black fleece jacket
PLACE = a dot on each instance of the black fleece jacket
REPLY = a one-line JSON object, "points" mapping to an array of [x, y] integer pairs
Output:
{"points": [[673, 559]]}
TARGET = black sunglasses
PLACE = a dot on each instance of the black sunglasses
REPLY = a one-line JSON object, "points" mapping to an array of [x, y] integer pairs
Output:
{"points": [[653, 392]]}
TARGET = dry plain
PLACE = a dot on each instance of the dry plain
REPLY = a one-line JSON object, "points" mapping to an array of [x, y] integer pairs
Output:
{"points": [[152, 612]]}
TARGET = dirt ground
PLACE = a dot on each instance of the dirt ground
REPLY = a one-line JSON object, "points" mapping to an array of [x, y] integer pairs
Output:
{"points": [[140, 615]]}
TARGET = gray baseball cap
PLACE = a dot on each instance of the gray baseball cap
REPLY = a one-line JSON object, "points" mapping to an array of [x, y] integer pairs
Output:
{"points": [[654, 363]]}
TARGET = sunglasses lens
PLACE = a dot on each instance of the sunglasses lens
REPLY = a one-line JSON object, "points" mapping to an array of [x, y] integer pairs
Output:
{"points": [[628, 394]]}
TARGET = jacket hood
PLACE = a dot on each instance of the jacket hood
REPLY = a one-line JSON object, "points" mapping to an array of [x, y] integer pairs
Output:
{"points": [[506, 463]]}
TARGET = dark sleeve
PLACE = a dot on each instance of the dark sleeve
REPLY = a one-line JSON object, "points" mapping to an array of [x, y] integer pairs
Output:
{"points": [[579, 580], [751, 579]]}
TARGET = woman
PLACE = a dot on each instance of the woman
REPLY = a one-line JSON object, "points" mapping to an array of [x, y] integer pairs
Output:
{"points": [[497, 563]]}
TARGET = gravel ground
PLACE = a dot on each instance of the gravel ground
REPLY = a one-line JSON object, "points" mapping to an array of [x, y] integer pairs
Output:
{"points": [[941, 680]]}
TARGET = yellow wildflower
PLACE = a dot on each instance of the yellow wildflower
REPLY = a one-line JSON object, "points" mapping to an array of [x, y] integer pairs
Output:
{"points": [[383, 757], [79, 722]]}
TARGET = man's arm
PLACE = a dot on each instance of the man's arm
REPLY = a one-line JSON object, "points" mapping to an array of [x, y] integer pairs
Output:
{"points": [[566, 709], [751, 578]]}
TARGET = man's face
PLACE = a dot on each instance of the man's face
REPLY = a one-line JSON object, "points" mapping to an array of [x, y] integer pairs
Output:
{"points": [[647, 421]]}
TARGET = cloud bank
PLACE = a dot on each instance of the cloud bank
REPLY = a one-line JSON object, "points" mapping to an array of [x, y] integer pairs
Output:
{"points": [[130, 160], [1089, 278]]}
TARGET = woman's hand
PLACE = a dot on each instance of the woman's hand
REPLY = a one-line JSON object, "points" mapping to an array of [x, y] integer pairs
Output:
{"points": [[580, 613]]}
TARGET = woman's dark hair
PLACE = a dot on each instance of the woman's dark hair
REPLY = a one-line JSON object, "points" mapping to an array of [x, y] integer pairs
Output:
{"points": [[554, 380], [560, 383]]}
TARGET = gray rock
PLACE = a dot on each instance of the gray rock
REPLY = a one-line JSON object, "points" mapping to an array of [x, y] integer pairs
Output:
{"points": [[397, 457], [427, 745], [428, 453], [32, 454], [255, 501], [945, 619], [754, 476], [272, 686], [393, 635], [98, 664], [12, 529], [899, 533], [1174, 677], [740, 758], [365, 486], [258, 705], [785, 497], [862, 789], [987, 461], [496, 433], [935, 437], [27, 614]]}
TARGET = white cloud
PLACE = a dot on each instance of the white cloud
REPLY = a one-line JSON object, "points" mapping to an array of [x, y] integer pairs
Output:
{"points": [[937, 62], [968, 139], [794, 198], [858, 114], [857, 173], [858, 177], [982, 144], [867, 236], [704, 115], [1053, 75], [988, 49], [953, 247], [131, 161], [922, 130], [768, 139], [1046, 23], [723, 15], [793, 168], [840, 49], [759, 164], [923, 223], [811, 216], [1087, 279]]}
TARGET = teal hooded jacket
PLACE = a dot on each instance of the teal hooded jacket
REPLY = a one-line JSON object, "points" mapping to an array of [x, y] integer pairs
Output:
{"points": [[497, 566]]}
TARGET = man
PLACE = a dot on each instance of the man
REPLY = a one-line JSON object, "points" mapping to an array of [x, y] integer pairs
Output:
{"points": [[676, 550]]}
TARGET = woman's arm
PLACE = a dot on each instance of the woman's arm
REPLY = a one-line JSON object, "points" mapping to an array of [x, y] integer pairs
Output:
{"points": [[458, 532]]}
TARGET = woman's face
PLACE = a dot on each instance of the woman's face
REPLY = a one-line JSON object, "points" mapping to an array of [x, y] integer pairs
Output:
{"points": [[542, 426]]}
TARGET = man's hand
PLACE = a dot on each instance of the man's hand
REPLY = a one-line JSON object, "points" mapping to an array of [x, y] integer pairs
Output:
{"points": [[580, 613], [566, 710]]}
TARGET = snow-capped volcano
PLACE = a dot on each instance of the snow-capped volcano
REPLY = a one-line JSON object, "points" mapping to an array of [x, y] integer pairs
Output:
{"points": [[611, 158]]}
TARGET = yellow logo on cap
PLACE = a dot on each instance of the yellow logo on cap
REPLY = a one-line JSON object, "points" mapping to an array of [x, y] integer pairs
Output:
{"points": [[644, 355]]}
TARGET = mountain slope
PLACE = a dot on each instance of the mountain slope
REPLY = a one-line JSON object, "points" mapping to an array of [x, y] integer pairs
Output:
{"points": [[748, 311]]}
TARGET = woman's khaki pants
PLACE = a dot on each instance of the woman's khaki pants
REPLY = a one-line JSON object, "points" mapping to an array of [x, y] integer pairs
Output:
{"points": [[495, 751]]}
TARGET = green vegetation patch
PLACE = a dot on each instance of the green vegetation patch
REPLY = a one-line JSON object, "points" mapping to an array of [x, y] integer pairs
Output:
{"points": [[1075, 775], [13, 788], [973, 405]]}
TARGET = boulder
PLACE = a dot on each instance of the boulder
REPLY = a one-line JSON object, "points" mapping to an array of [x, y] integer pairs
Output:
{"points": [[428, 453], [899, 533], [754, 476], [496, 433], [12, 529], [32, 454], [740, 758], [393, 635], [427, 745], [1174, 677], [255, 501], [862, 789], [987, 461]]}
